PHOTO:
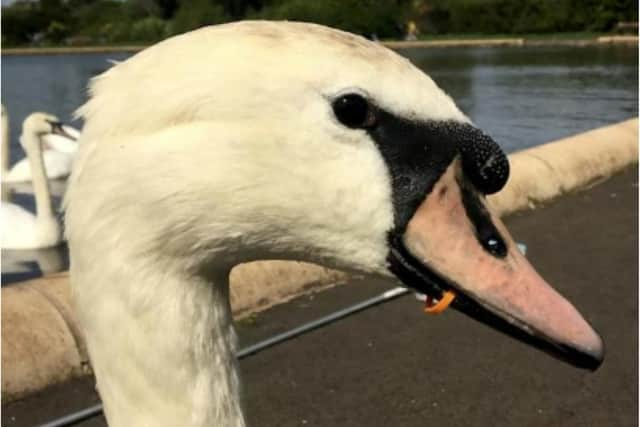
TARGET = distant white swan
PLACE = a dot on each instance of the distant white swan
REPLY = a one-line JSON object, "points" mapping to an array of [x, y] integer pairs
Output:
{"points": [[20, 228], [61, 144]]}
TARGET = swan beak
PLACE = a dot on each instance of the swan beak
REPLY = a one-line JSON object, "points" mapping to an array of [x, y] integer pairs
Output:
{"points": [[453, 243], [59, 128]]}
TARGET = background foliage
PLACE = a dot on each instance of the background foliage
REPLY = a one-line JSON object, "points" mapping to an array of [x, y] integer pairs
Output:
{"points": [[83, 22]]}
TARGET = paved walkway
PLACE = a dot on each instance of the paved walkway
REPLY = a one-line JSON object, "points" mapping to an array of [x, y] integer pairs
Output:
{"points": [[394, 366]]}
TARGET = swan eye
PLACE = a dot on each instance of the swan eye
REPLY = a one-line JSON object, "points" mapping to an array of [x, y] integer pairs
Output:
{"points": [[354, 111]]}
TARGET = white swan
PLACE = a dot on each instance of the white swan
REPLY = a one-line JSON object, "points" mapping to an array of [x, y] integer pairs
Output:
{"points": [[260, 140], [20, 228], [61, 146]]}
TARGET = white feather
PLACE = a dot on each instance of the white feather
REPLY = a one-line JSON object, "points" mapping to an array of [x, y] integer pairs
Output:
{"points": [[57, 166]]}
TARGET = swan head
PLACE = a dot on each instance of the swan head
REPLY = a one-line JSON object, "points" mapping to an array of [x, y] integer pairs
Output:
{"points": [[39, 125], [287, 140]]}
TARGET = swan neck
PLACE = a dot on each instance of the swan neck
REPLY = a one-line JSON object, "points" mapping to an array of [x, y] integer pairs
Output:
{"points": [[4, 162], [40, 182], [4, 154], [163, 355]]}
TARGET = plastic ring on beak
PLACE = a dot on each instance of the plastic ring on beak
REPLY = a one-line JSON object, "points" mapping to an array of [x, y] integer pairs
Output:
{"points": [[440, 306]]}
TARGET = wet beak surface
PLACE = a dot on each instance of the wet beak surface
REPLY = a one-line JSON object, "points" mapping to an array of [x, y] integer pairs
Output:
{"points": [[443, 238]]}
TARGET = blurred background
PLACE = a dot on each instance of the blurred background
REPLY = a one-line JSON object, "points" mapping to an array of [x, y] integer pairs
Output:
{"points": [[553, 77], [90, 22]]}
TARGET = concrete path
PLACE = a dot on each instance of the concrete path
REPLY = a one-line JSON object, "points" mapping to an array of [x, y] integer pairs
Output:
{"points": [[394, 366]]}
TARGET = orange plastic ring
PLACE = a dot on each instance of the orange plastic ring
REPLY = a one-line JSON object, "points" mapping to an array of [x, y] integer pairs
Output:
{"points": [[442, 305]]}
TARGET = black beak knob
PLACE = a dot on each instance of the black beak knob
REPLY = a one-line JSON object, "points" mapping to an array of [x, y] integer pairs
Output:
{"points": [[483, 161]]}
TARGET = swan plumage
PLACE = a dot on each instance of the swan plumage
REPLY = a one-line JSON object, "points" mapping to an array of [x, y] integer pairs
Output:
{"points": [[57, 166], [22, 229], [259, 140]]}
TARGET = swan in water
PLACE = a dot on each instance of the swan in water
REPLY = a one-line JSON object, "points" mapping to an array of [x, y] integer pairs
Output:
{"points": [[258, 140], [57, 157], [20, 228]]}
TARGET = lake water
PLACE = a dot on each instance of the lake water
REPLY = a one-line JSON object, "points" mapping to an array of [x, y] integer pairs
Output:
{"points": [[522, 96]]}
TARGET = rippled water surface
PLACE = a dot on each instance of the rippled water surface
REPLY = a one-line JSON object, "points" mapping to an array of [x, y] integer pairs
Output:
{"points": [[528, 96], [521, 96]]}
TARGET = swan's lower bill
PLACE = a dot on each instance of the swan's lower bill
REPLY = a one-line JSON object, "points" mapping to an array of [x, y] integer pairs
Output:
{"points": [[453, 242]]}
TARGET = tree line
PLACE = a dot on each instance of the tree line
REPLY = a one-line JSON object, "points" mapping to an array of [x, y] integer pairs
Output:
{"points": [[91, 22]]}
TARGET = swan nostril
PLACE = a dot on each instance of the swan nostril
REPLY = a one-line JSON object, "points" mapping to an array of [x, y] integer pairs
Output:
{"points": [[485, 230], [494, 245]]}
